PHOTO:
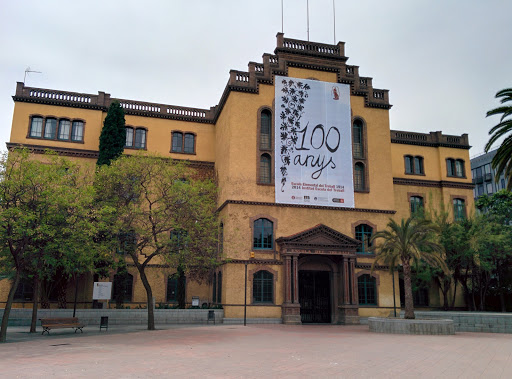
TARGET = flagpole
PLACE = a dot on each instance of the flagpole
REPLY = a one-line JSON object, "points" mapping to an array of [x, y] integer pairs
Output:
{"points": [[282, 17], [334, 17], [307, 9]]}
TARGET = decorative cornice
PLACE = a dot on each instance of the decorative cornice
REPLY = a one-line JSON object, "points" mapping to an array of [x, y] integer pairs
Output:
{"points": [[368, 266], [255, 261], [243, 202], [93, 154], [432, 183]]}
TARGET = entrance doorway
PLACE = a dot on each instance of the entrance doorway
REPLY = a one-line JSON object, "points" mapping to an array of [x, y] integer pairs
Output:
{"points": [[315, 296]]}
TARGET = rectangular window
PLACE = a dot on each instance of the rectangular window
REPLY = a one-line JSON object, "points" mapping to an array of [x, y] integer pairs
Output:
{"points": [[408, 165], [36, 127], [487, 168], [189, 143], [129, 137], [77, 133], [177, 142], [459, 212], [50, 128], [140, 138], [489, 188], [64, 129], [172, 289]]}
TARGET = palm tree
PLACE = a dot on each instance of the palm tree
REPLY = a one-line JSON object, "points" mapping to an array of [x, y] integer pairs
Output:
{"points": [[502, 161], [409, 241]]}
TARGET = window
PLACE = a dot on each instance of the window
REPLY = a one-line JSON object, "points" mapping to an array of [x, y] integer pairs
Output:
{"points": [[24, 291], [219, 288], [363, 234], [489, 188], [459, 211], [183, 143], [77, 132], [359, 182], [357, 139], [455, 167], [221, 238], [123, 287], [189, 143], [140, 138], [266, 130], [36, 127], [265, 169], [177, 141], [50, 128], [64, 129], [263, 234], [413, 165], [175, 289], [367, 290], [263, 287], [129, 137], [416, 204], [214, 297]]}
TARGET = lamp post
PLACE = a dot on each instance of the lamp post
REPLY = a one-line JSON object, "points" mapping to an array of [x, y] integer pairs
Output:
{"points": [[245, 296], [394, 298]]}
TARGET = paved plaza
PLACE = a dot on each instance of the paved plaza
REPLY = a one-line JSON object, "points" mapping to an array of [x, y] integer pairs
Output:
{"points": [[229, 351]]}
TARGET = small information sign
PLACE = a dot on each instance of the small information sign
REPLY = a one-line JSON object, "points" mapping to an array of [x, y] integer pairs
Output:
{"points": [[102, 291], [195, 301]]}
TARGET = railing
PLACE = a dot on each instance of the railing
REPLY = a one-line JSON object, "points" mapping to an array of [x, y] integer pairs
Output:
{"points": [[259, 67], [59, 95], [140, 106], [311, 47], [411, 136], [179, 111], [378, 94], [432, 137]]}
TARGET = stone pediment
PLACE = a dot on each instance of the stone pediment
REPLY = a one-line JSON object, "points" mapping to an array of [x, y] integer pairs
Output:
{"points": [[319, 238]]}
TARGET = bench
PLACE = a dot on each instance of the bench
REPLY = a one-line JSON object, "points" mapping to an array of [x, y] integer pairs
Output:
{"points": [[61, 322]]}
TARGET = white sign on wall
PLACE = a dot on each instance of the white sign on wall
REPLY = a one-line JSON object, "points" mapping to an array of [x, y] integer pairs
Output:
{"points": [[102, 291], [313, 141]]}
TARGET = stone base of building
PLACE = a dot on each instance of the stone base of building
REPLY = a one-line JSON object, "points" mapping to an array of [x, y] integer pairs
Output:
{"points": [[291, 314], [348, 315]]}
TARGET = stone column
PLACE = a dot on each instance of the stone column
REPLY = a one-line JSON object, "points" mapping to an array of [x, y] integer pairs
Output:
{"points": [[295, 279], [355, 294], [346, 283], [288, 279]]}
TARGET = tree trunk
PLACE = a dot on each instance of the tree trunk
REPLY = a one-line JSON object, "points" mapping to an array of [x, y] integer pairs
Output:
{"points": [[445, 289], [8, 306], [149, 294], [35, 301], [454, 293], [181, 288], [409, 305]]}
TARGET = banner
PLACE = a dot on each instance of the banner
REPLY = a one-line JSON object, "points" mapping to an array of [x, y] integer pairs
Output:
{"points": [[313, 141]]}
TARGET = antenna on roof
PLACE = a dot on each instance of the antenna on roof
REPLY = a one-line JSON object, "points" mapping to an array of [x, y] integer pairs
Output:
{"points": [[282, 17], [334, 18], [29, 70], [307, 9]]}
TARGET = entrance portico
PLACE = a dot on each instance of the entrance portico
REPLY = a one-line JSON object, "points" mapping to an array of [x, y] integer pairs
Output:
{"points": [[326, 259]]}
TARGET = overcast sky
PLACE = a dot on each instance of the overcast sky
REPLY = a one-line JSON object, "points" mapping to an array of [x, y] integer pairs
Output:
{"points": [[442, 60]]}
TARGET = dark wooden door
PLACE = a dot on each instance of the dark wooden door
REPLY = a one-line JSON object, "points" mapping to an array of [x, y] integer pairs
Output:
{"points": [[315, 296]]}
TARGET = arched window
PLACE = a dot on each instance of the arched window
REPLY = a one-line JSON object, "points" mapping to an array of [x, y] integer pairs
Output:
{"points": [[359, 182], [459, 209], [221, 238], [367, 289], [77, 131], [416, 203], [263, 287], [64, 129], [36, 127], [140, 138], [266, 130], [219, 288], [357, 139], [263, 234], [189, 144], [363, 234], [177, 142], [265, 169], [174, 289], [24, 291], [123, 287], [50, 128]]}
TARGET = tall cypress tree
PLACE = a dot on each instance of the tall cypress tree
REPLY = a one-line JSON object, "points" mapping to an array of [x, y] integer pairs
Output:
{"points": [[113, 135]]}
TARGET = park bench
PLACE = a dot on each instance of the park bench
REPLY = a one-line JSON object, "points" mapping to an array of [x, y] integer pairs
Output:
{"points": [[61, 322]]}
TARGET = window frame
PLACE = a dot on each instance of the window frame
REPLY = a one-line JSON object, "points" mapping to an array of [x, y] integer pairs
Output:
{"points": [[251, 228], [260, 231], [262, 172], [374, 280], [415, 206], [415, 163], [262, 150], [459, 209], [363, 233], [362, 173], [255, 295], [180, 136], [452, 168]]}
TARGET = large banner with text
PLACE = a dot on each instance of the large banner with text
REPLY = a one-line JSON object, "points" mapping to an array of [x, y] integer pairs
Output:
{"points": [[313, 158]]}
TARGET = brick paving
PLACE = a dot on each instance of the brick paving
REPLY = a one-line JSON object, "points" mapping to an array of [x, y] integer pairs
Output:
{"points": [[234, 351]]}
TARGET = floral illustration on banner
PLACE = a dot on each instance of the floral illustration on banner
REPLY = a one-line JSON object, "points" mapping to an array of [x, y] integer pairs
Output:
{"points": [[293, 99]]}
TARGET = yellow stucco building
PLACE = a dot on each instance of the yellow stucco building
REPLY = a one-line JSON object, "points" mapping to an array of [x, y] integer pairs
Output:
{"points": [[298, 260]]}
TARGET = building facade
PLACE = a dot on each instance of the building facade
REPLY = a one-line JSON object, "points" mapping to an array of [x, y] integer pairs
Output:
{"points": [[306, 258], [484, 176]]}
